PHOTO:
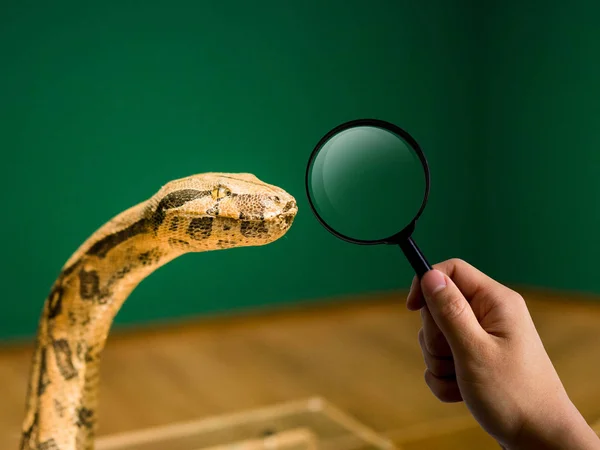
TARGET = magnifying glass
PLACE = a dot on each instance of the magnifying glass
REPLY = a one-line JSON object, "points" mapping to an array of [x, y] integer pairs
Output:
{"points": [[367, 183]]}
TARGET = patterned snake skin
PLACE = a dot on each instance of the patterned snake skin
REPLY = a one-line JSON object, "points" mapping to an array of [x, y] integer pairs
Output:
{"points": [[199, 213]]}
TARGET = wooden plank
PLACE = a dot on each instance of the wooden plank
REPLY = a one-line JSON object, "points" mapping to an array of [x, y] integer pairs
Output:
{"points": [[362, 356]]}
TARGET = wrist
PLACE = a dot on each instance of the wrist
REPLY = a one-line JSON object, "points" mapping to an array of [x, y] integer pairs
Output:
{"points": [[567, 430]]}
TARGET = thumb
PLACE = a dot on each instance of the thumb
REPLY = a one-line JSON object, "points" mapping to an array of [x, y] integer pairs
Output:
{"points": [[451, 311]]}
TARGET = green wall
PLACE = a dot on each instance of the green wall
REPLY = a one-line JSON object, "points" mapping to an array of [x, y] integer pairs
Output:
{"points": [[540, 143], [101, 105]]}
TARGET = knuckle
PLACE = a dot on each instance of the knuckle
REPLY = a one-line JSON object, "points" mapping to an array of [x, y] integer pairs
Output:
{"points": [[430, 380], [452, 307], [444, 390], [451, 265], [436, 345], [423, 340], [450, 397], [441, 368], [512, 304], [457, 261], [429, 344], [517, 298]]}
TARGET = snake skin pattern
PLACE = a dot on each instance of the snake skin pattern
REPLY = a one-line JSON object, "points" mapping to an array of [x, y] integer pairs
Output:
{"points": [[199, 213]]}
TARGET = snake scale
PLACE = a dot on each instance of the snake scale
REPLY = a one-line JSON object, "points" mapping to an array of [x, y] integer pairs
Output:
{"points": [[204, 212]]}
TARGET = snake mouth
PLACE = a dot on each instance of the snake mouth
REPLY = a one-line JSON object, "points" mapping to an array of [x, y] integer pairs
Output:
{"points": [[289, 220], [290, 206], [289, 214]]}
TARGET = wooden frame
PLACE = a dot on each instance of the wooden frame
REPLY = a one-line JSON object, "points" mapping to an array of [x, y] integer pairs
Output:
{"points": [[309, 424]]}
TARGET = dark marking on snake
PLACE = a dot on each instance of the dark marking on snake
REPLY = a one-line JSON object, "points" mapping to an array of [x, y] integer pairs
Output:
{"points": [[174, 224], [178, 242], [81, 349], [150, 257], [226, 227], [119, 274], [55, 301], [30, 435], [145, 258], [64, 359], [105, 293], [85, 418], [44, 379], [103, 299], [200, 228], [254, 229], [255, 209], [89, 284], [69, 270], [175, 200], [59, 408], [50, 444], [87, 319], [224, 243], [88, 354], [107, 243]]}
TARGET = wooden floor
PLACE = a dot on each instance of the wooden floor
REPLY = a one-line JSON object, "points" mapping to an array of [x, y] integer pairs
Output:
{"points": [[361, 356]]}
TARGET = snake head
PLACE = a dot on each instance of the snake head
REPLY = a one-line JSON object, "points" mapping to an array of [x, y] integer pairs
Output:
{"points": [[222, 210]]}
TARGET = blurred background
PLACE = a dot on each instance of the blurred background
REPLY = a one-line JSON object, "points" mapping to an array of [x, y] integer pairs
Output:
{"points": [[101, 104]]}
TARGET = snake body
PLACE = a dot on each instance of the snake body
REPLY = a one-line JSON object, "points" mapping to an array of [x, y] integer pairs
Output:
{"points": [[205, 212]]}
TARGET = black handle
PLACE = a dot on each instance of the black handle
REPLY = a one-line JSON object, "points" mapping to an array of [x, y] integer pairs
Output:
{"points": [[414, 256]]}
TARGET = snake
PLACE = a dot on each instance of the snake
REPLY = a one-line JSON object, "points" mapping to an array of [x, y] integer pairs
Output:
{"points": [[198, 213]]}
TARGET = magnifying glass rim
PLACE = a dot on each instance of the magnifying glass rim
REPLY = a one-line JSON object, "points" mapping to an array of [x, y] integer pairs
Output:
{"points": [[377, 123]]}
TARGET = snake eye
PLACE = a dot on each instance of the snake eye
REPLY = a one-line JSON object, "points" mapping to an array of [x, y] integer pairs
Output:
{"points": [[220, 192]]}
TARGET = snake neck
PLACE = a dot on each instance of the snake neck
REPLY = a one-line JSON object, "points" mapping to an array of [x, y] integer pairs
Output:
{"points": [[199, 213], [72, 331]]}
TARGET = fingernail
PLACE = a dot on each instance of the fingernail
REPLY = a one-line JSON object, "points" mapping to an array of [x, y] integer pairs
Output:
{"points": [[433, 282]]}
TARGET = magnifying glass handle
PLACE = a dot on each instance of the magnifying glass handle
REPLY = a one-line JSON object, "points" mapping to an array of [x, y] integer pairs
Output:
{"points": [[415, 257]]}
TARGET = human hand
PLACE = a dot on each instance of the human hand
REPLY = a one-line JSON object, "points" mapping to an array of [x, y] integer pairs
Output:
{"points": [[480, 346]]}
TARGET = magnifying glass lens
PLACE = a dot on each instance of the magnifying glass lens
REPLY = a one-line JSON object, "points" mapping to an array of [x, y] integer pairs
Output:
{"points": [[367, 183]]}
